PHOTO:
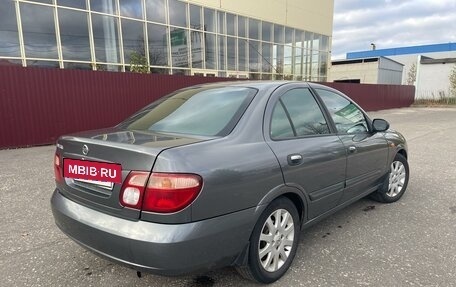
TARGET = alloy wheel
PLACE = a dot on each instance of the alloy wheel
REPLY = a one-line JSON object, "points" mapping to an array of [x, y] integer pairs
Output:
{"points": [[396, 179], [276, 240]]}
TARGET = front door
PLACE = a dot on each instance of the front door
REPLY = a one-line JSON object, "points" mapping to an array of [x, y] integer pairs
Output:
{"points": [[311, 157], [366, 151]]}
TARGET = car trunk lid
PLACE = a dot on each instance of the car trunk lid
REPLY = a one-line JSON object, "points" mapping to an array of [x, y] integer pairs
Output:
{"points": [[133, 150]]}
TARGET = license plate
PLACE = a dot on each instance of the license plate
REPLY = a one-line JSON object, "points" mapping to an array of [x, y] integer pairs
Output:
{"points": [[92, 171]]}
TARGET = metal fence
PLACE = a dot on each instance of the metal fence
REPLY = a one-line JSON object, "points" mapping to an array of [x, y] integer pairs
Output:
{"points": [[38, 105]]}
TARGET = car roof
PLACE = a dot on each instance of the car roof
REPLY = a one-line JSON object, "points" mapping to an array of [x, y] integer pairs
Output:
{"points": [[249, 84]]}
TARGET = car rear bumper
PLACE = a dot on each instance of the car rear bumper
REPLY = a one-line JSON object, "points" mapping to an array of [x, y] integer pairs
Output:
{"points": [[166, 249]]}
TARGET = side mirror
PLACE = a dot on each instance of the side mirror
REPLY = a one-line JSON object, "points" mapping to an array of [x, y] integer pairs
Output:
{"points": [[380, 125]]}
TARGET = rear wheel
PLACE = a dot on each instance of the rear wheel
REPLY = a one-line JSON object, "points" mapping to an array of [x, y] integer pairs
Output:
{"points": [[273, 242], [396, 183]]}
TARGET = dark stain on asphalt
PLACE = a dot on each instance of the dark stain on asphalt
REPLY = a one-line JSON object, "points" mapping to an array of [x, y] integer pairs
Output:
{"points": [[369, 208], [203, 281], [453, 210]]}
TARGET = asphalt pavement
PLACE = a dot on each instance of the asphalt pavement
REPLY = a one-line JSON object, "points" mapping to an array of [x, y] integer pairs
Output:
{"points": [[408, 243]]}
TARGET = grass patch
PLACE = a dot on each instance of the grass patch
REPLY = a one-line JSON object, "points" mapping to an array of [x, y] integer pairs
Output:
{"points": [[441, 101]]}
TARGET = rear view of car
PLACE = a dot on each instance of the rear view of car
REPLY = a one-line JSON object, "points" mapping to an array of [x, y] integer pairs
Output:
{"points": [[222, 175]]}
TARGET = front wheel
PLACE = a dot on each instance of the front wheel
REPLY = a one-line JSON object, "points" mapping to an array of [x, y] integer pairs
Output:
{"points": [[397, 181], [273, 242]]}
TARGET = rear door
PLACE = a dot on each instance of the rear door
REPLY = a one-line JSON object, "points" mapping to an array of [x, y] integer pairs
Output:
{"points": [[367, 152], [312, 158]]}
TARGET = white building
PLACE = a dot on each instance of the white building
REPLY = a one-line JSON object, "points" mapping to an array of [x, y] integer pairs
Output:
{"points": [[433, 64], [376, 70]]}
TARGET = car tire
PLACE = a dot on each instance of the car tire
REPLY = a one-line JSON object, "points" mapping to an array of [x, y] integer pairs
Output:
{"points": [[396, 182], [276, 241]]}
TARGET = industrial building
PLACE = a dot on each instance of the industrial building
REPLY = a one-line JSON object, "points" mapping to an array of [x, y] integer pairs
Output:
{"points": [[375, 70], [428, 67], [268, 39]]}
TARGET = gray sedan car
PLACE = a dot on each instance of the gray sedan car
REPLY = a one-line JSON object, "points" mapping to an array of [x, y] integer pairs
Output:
{"points": [[224, 174]]}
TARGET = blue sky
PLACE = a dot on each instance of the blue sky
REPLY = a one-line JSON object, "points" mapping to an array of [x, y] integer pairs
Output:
{"points": [[391, 23]]}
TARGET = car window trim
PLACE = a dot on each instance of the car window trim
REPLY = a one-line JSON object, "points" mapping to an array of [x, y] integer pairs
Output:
{"points": [[317, 100], [333, 124], [288, 117]]}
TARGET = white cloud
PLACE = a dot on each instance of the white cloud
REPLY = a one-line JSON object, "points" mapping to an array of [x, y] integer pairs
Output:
{"points": [[389, 24]]}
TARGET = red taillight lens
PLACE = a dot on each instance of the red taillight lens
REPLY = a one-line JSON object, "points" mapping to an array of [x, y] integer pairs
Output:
{"points": [[132, 190], [57, 168], [171, 192]]}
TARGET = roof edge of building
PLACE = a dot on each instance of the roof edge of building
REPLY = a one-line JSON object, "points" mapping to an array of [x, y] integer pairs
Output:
{"points": [[442, 47]]}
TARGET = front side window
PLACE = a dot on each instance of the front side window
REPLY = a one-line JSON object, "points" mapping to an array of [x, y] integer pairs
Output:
{"points": [[198, 111], [347, 117], [297, 114]]}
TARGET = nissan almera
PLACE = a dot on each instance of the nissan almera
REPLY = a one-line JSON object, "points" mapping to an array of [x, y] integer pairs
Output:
{"points": [[224, 174]]}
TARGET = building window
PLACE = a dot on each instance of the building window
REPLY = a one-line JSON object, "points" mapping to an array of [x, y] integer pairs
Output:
{"points": [[288, 63], [299, 38], [105, 37], [197, 46], [155, 11], [104, 6], [179, 47], [74, 35], [278, 34], [158, 44], [44, 64], [177, 13], [209, 40], [39, 31], [266, 57], [254, 51], [9, 43], [179, 36], [242, 55], [231, 53], [221, 22], [289, 36], [81, 4], [221, 52], [231, 22], [267, 31], [43, 1], [254, 29], [242, 26], [131, 8], [195, 17], [133, 40], [209, 20], [298, 63], [277, 60]]}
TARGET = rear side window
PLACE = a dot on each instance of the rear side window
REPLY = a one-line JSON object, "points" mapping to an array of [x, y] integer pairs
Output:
{"points": [[297, 114], [347, 117], [198, 111]]}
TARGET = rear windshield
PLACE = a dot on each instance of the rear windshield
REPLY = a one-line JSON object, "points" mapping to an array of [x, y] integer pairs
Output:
{"points": [[195, 111]]}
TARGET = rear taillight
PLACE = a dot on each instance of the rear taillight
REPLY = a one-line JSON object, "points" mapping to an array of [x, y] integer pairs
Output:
{"points": [[171, 192], [132, 190], [57, 168], [164, 192]]}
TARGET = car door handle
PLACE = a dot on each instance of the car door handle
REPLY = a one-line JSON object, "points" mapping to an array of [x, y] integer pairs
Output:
{"points": [[294, 159], [352, 149]]}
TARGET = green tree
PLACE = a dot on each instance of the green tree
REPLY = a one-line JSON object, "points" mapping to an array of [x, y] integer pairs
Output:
{"points": [[138, 63], [452, 79], [411, 75]]}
